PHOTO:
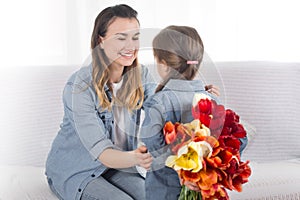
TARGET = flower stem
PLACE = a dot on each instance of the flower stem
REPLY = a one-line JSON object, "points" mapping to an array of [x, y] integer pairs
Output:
{"points": [[187, 194]]}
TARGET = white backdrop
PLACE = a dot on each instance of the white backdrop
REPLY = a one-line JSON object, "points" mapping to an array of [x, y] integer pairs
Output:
{"points": [[51, 32]]}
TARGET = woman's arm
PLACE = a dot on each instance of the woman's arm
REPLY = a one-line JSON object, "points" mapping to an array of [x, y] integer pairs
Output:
{"points": [[91, 130], [113, 158]]}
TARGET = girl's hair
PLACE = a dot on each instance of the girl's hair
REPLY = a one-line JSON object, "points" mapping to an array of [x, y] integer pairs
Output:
{"points": [[132, 96], [175, 45]]}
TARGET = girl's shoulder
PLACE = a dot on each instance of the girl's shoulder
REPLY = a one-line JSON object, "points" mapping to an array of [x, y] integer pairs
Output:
{"points": [[159, 98]]}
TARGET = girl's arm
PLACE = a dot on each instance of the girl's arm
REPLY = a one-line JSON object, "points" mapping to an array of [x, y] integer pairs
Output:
{"points": [[151, 131], [215, 90]]}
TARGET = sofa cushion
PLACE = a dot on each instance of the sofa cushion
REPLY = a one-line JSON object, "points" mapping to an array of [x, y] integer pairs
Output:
{"points": [[267, 96], [278, 180], [24, 182]]}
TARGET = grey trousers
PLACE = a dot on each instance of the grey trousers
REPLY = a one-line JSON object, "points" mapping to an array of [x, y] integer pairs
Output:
{"points": [[116, 185]]}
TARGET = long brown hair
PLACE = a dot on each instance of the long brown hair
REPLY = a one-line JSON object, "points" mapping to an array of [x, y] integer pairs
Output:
{"points": [[132, 96], [175, 45]]}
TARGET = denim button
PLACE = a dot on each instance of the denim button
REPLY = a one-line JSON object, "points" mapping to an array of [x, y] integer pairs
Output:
{"points": [[112, 121], [102, 117], [79, 190], [93, 175], [49, 181]]}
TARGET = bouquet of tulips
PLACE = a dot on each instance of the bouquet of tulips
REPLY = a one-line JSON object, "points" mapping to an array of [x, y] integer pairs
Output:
{"points": [[206, 151]]}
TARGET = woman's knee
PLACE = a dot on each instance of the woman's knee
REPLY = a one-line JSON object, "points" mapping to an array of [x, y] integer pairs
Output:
{"points": [[112, 196], [101, 189]]}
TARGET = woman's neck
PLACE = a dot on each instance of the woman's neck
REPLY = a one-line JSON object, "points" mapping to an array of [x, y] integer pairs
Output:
{"points": [[116, 73]]}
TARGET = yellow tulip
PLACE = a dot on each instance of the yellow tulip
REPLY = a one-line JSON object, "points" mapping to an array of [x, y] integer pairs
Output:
{"points": [[197, 128], [190, 156]]}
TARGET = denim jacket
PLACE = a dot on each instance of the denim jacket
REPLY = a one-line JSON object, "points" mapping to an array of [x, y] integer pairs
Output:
{"points": [[173, 103], [86, 131]]}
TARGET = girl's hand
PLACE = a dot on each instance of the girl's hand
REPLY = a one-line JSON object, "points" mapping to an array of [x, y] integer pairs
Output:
{"points": [[188, 184], [213, 89], [192, 186], [143, 158]]}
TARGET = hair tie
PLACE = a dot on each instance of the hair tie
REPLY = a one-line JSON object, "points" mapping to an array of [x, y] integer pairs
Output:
{"points": [[192, 62]]}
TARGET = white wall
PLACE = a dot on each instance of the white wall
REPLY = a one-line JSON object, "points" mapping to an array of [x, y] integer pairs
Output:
{"points": [[50, 32], [31, 33]]}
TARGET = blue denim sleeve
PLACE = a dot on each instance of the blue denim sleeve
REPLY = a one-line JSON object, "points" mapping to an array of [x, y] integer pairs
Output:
{"points": [[80, 107], [151, 130], [244, 142]]}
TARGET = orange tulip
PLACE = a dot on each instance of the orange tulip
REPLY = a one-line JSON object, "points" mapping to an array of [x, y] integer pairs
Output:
{"points": [[169, 132]]}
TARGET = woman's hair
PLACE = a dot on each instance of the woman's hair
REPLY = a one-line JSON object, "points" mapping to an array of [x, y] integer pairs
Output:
{"points": [[176, 45], [132, 96]]}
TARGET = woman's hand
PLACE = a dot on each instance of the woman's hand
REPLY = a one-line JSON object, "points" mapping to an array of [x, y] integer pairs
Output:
{"points": [[143, 158], [213, 89], [117, 159]]}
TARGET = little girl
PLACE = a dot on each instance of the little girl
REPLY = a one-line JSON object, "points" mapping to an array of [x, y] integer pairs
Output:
{"points": [[178, 51]]}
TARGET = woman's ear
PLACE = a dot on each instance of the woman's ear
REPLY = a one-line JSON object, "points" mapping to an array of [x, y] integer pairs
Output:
{"points": [[100, 41]]}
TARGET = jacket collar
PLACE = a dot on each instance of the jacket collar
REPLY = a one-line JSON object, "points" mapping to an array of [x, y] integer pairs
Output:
{"points": [[184, 85]]}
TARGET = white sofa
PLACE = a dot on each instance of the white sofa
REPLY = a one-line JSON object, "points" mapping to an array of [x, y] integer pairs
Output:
{"points": [[265, 94]]}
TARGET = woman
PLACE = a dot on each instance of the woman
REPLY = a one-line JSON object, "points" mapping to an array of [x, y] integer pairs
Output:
{"points": [[95, 151], [90, 149]]}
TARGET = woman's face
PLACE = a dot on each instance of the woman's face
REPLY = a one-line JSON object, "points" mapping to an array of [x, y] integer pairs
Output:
{"points": [[121, 42]]}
